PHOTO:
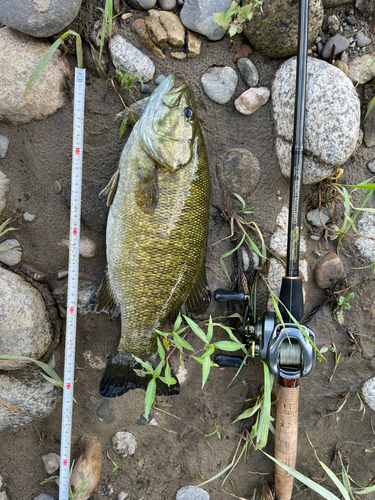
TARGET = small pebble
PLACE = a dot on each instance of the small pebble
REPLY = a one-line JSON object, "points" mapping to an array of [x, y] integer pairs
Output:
{"points": [[28, 217], [159, 79], [368, 392], [340, 42], [333, 23], [1, 482], [194, 493], [145, 89], [371, 166], [122, 495], [318, 217], [124, 443], [3, 495], [126, 16], [4, 143], [248, 72], [344, 57], [346, 27], [361, 39], [33, 273], [251, 100], [167, 4], [57, 187], [13, 254], [179, 55], [62, 274], [343, 66], [105, 411], [331, 232], [315, 236], [220, 83], [320, 48], [87, 248], [351, 20], [43, 496], [51, 462], [328, 270], [181, 2], [243, 52]]}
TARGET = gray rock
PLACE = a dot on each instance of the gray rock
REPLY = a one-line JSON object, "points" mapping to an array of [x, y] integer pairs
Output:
{"points": [[32, 394], [274, 33], [19, 54], [142, 420], [331, 122], [27, 217], [145, 89], [43, 496], [94, 210], [333, 23], [3, 495], [251, 100], [320, 47], [41, 18], [238, 172], [124, 443], [328, 270], [129, 59], [167, 4], [142, 4], [366, 227], [318, 217], [362, 40], [340, 42], [371, 166], [220, 84], [369, 129], [351, 20], [359, 66], [25, 326], [106, 412], [194, 493], [196, 15], [330, 4], [368, 392], [279, 239], [4, 192], [51, 462], [87, 291], [344, 57], [122, 495], [248, 71], [159, 79], [4, 143], [11, 252]]}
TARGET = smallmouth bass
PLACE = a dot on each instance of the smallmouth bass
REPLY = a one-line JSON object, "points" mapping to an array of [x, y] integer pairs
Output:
{"points": [[156, 232]]}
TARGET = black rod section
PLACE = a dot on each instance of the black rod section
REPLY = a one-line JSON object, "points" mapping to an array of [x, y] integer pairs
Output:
{"points": [[294, 224]]}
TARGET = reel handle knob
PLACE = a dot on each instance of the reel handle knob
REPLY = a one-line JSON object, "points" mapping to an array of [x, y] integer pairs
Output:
{"points": [[222, 295], [226, 361]]}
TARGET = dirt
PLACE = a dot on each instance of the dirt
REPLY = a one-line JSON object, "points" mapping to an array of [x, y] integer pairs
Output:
{"points": [[184, 449]]}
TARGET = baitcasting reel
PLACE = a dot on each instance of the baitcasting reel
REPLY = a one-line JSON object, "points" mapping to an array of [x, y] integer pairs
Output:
{"points": [[287, 352]]}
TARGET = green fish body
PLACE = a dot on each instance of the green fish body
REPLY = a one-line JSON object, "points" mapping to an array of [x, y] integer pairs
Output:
{"points": [[156, 231]]}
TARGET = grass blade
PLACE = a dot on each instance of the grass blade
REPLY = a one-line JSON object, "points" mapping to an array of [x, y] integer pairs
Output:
{"points": [[335, 479], [150, 396], [265, 412], [228, 254], [48, 369], [41, 65], [206, 370]]}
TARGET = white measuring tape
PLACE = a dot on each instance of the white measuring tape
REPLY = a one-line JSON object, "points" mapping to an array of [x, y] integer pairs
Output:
{"points": [[71, 314]]}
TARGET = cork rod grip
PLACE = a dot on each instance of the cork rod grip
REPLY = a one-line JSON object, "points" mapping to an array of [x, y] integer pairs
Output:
{"points": [[286, 439]]}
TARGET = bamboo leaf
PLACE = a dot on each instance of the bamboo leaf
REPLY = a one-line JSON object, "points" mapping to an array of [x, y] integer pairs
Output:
{"points": [[209, 351], [167, 371], [230, 253], [226, 345], [195, 328], [205, 370], [150, 396], [145, 364], [210, 330], [48, 369], [177, 323], [168, 380], [160, 350], [158, 369]]}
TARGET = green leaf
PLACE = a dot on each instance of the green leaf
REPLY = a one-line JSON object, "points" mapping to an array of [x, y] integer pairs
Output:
{"points": [[158, 369], [370, 108], [249, 412], [337, 482], [195, 328], [177, 323], [364, 491], [185, 344], [167, 371], [241, 200], [232, 30], [221, 20], [265, 412], [205, 370], [209, 351], [41, 65], [123, 127], [47, 368], [150, 396], [162, 333], [228, 254], [210, 330], [305, 480], [160, 349], [168, 380], [364, 74], [226, 345], [145, 364]]}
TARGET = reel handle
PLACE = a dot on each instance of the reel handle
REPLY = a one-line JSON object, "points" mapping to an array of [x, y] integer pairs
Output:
{"points": [[222, 295], [227, 361], [286, 438]]}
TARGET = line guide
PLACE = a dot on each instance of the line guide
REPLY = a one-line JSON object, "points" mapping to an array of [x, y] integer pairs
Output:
{"points": [[72, 299]]}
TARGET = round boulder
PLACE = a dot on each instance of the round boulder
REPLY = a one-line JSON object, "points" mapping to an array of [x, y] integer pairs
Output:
{"points": [[331, 122], [41, 18], [19, 55], [274, 32], [328, 270], [238, 172], [366, 227], [31, 397], [25, 326], [196, 15]]}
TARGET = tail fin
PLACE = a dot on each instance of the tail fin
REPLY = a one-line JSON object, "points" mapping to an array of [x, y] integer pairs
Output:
{"points": [[119, 377]]}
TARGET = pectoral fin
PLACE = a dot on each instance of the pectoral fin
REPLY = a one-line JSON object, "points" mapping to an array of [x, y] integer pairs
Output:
{"points": [[147, 189], [105, 299], [199, 298], [111, 188]]}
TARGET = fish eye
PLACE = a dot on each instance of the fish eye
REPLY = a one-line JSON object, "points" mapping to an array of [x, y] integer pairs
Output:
{"points": [[188, 112]]}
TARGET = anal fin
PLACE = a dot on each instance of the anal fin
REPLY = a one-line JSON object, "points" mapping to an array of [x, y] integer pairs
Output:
{"points": [[199, 298], [111, 188], [105, 299]]}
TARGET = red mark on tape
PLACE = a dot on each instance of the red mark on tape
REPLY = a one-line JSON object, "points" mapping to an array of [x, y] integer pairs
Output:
{"points": [[71, 310], [75, 231], [77, 151], [65, 462], [68, 386]]}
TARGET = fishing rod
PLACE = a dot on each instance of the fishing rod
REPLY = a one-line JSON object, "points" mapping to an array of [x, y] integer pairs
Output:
{"points": [[286, 347]]}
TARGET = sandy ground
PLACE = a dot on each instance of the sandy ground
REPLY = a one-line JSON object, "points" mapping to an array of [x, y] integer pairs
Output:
{"points": [[179, 452]]}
